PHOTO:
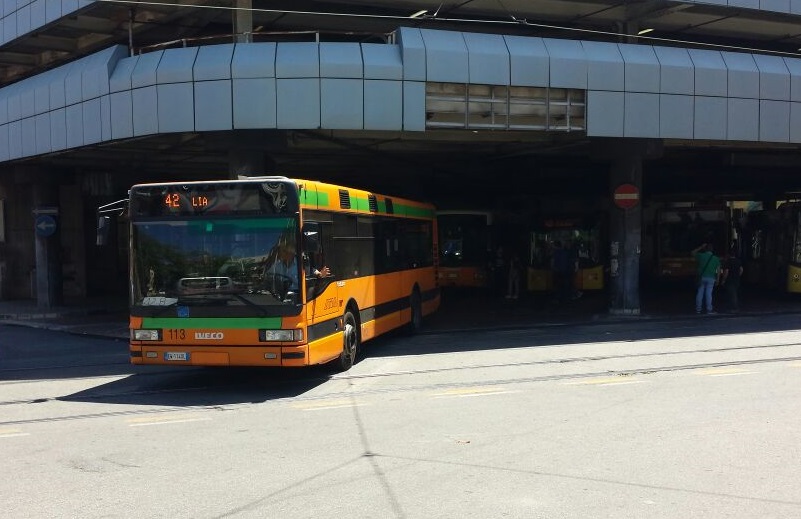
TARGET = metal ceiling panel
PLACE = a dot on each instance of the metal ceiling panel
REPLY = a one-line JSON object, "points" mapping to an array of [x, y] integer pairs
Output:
{"points": [[446, 56], [774, 77], [341, 60], [297, 60], [642, 69], [488, 59], [144, 73], [710, 73], [253, 60], [568, 64], [605, 69], [176, 65], [213, 62], [382, 61], [742, 75], [529, 61], [677, 71]]}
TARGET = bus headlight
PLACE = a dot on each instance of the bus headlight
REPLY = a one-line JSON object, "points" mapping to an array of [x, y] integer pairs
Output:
{"points": [[146, 335], [280, 335]]}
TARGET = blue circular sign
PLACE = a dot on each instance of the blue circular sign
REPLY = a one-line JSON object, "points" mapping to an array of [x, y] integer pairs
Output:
{"points": [[45, 225]]}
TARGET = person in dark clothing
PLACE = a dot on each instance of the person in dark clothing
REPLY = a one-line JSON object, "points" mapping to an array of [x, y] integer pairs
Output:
{"points": [[563, 267], [730, 279], [499, 271]]}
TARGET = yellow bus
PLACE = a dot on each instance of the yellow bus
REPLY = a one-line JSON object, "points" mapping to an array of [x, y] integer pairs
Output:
{"points": [[465, 246], [583, 235], [272, 271], [770, 248], [679, 230]]}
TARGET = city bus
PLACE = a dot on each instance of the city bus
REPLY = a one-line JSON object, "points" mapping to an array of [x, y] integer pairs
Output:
{"points": [[770, 248], [583, 235], [206, 288], [465, 244], [679, 230]]}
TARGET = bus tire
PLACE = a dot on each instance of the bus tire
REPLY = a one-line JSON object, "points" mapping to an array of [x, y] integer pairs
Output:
{"points": [[350, 342], [416, 316]]}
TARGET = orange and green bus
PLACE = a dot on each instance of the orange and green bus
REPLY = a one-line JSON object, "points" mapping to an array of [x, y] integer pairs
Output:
{"points": [[206, 288]]}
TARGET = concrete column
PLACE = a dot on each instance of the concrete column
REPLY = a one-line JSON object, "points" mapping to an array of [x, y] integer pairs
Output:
{"points": [[625, 234], [46, 225], [243, 21]]}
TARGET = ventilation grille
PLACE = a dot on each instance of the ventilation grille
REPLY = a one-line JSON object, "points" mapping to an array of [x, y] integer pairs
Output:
{"points": [[344, 199], [373, 203]]}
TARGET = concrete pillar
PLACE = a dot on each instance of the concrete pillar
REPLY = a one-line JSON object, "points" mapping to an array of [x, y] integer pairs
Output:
{"points": [[46, 225], [243, 21], [625, 234]]}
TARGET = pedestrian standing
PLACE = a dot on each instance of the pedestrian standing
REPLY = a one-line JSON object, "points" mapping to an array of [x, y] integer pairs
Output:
{"points": [[708, 276], [513, 288], [563, 269], [499, 277], [732, 271]]}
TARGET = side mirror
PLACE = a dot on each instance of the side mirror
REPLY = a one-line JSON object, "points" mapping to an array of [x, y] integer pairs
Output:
{"points": [[103, 229]]}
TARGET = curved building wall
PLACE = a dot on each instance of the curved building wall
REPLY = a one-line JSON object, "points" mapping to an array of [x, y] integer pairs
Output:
{"points": [[638, 91]]}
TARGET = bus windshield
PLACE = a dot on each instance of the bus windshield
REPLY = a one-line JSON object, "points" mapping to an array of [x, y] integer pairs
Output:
{"points": [[464, 239], [227, 265], [682, 231]]}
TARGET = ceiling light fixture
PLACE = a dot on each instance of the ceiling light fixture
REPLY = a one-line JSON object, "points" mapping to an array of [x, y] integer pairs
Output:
{"points": [[644, 31], [418, 14]]}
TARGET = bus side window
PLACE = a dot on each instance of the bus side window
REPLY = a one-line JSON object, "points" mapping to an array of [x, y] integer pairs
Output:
{"points": [[316, 241]]}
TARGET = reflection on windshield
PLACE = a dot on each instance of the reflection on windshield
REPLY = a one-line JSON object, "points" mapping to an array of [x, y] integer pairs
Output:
{"points": [[230, 262]]}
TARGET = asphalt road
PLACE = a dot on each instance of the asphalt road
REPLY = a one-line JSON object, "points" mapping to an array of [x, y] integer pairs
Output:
{"points": [[692, 417]]}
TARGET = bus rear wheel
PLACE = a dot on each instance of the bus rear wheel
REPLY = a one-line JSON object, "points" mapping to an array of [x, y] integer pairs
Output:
{"points": [[350, 342]]}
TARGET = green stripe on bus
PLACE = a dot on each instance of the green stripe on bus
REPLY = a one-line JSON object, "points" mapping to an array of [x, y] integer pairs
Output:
{"points": [[314, 198], [212, 322], [202, 226], [420, 212], [363, 204]]}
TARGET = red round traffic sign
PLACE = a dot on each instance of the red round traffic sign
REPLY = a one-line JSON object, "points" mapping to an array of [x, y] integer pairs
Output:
{"points": [[626, 196]]}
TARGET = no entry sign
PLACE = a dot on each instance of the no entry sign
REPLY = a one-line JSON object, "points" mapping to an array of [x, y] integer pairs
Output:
{"points": [[626, 196]]}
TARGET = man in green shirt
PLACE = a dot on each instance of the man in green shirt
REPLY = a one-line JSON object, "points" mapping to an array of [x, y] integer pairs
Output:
{"points": [[708, 276]]}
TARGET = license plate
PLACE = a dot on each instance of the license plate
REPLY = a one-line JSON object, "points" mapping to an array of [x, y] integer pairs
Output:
{"points": [[176, 355]]}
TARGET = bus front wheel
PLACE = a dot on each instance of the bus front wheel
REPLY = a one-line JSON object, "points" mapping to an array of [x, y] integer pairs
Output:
{"points": [[350, 342]]}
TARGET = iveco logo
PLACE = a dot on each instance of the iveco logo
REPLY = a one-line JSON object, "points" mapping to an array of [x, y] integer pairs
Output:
{"points": [[216, 336]]}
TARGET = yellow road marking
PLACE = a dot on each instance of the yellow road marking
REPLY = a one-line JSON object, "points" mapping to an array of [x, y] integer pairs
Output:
{"points": [[326, 404], [164, 420], [604, 381], [12, 433], [474, 391], [725, 372]]}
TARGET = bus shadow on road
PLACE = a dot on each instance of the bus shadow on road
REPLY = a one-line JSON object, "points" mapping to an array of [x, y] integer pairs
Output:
{"points": [[205, 387], [621, 331]]}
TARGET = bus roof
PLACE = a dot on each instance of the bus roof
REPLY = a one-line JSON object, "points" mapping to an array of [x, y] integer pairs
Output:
{"points": [[324, 196]]}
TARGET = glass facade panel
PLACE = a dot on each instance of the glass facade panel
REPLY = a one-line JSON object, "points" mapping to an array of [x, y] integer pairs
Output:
{"points": [[497, 107]]}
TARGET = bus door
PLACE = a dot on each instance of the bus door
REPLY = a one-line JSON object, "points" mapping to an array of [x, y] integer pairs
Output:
{"points": [[321, 293]]}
